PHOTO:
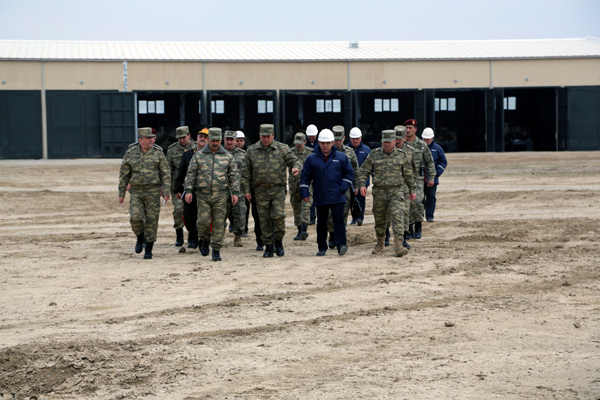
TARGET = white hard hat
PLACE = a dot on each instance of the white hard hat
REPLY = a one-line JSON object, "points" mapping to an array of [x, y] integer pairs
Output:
{"points": [[240, 134], [427, 133], [311, 130], [326, 136], [355, 133]]}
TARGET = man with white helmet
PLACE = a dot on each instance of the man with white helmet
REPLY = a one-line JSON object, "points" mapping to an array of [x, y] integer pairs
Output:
{"points": [[439, 159], [240, 140], [311, 136], [361, 152]]}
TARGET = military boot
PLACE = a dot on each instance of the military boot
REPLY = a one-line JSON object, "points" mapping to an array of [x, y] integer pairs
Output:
{"points": [[379, 246], [399, 251], [411, 232], [268, 250], [192, 241], [148, 252], [139, 244], [405, 243], [279, 248], [204, 250], [237, 241], [387, 237], [304, 232], [179, 240], [299, 235], [417, 234], [331, 240], [216, 256]]}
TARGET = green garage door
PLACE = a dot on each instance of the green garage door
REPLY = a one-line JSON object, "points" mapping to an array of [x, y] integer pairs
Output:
{"points": [[20, 124]]}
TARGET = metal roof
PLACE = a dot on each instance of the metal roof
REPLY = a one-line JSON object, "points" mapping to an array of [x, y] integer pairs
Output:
{"points": [[587, 47]]}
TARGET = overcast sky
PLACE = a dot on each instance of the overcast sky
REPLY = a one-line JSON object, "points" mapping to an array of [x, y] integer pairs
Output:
{"points": [[300, 20]]}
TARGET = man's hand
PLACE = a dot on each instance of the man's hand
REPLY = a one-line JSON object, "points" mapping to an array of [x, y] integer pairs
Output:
{"points": [[430, 183], [234, 199], [188, 198], [248, 196], [412, 197], [295, 171], [178, 196], [121, 200], [166, 198], [355, 192], [306, 199], [128, 187], [363, 191]]}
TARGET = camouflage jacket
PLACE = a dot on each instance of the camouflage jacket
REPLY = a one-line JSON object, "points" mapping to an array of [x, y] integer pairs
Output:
{"points": [[422, 158], [294, 181], [174, 153], [388, 170], [144, 171], [349, 152], [266, 167], [411, 159], [212, 172], [238, 156]]}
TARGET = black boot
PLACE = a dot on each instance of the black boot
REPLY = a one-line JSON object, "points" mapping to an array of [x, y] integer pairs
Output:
{"points": [[139, 244], [411, 232], [179, 240], [268, 250], [216, 256], [387, 237], [299, 235], [417, 234], [192, 241], [304, 232], [204, 250], [260, 247], [279, 248], [404, 242], [331, 240], [148, 253]]}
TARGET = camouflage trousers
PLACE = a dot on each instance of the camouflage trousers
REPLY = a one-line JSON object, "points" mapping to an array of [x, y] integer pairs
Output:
{"points": [[346, 212], [388, 202], [237, 214], [405, 213], [144, 208], [212, 208], [416, 207], [177, 212], [270, 203], [300, 207]]}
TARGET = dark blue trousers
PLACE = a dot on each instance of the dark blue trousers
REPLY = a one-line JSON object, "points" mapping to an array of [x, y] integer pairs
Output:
{"points": [[430, 201], [339, 229]]}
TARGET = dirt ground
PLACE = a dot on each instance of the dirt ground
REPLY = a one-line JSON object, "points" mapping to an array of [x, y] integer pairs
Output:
{"points": [[511, 264]]}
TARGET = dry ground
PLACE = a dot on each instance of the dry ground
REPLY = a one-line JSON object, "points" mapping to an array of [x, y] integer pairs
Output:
{"points": [[512, 262]]}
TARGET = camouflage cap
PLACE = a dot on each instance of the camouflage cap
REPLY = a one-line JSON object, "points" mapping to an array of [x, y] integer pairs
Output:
{"points": [[215, 134], [266, 129], [338, 132], [145, 132], [182, 131], [230, 134], [400, 131], [299, 138], [388, 136]]}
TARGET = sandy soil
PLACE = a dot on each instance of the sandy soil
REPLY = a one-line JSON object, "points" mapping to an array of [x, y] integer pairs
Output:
{"points": [[512, 264]]}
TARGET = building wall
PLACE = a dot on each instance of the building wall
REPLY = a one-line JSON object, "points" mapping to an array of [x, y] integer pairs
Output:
{"points": [[155, 75], [21, 75], [94, 75], [564, 72]]}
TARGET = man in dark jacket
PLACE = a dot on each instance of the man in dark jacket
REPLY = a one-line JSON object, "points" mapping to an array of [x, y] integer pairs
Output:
{"points": [[439, 159], [331, 175]]}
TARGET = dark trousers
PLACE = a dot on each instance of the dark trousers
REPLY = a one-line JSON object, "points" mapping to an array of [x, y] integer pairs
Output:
{"points": [[190, 216], [313, 214], [339, 229], [430, 200], [247, 214], [361, 201], [257, 230]]}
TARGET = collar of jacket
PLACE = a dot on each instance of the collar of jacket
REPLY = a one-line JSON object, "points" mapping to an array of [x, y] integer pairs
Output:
{"points": [[262, 146], [206, 149], [320, 153]]}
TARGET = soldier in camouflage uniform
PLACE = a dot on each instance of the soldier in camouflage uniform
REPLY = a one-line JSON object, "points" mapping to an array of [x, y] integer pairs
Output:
{"points": [[174, 153], [339, 136], [400, 140], [237, 213], [145, 167], [423, 161], [390, 169], [265, 172], [301, 208], [213, 175]]}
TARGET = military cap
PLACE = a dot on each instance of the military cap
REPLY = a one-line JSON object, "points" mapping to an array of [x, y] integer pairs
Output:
{"points": [[400, 131], [214, 134], [412, 122], [182, 131], [145, 132], [299, 138], [266, 129], [338, 132], [230, 134], [388, 136]]}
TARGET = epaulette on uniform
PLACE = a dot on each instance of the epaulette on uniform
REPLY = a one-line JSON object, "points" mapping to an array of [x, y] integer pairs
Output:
{"points": [[157, 147], [133, 144], [173, 144]]}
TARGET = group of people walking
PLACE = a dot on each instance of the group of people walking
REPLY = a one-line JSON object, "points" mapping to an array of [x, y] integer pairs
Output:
{"points": [[214, 178]]}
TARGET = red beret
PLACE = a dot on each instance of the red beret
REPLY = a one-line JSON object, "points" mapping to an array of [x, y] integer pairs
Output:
{"points": [[410, 122]]}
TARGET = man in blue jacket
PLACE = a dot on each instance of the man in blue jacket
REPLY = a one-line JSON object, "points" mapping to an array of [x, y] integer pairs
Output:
{"points": [[331, 175], [361, 152], [439, 159]]}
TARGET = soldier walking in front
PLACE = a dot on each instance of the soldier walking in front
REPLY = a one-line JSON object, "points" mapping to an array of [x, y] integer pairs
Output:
{"points": [[145, 167]]}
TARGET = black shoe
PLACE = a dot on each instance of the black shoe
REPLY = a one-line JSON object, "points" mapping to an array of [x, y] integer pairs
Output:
{"points": [[331, 240], [304, 232], [216, 256], [148, 252], [411, 232], [353, 222], [139, 244], [299, 235], [230, 228], [260, 247], [204, 250], [429, 219], [193, 244], [387, 237], [312, 221], [342, 250], [404, 242], [321, 253], [418, 226], [179, 234], [279, 248], [359, 222], [268, 251]]}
